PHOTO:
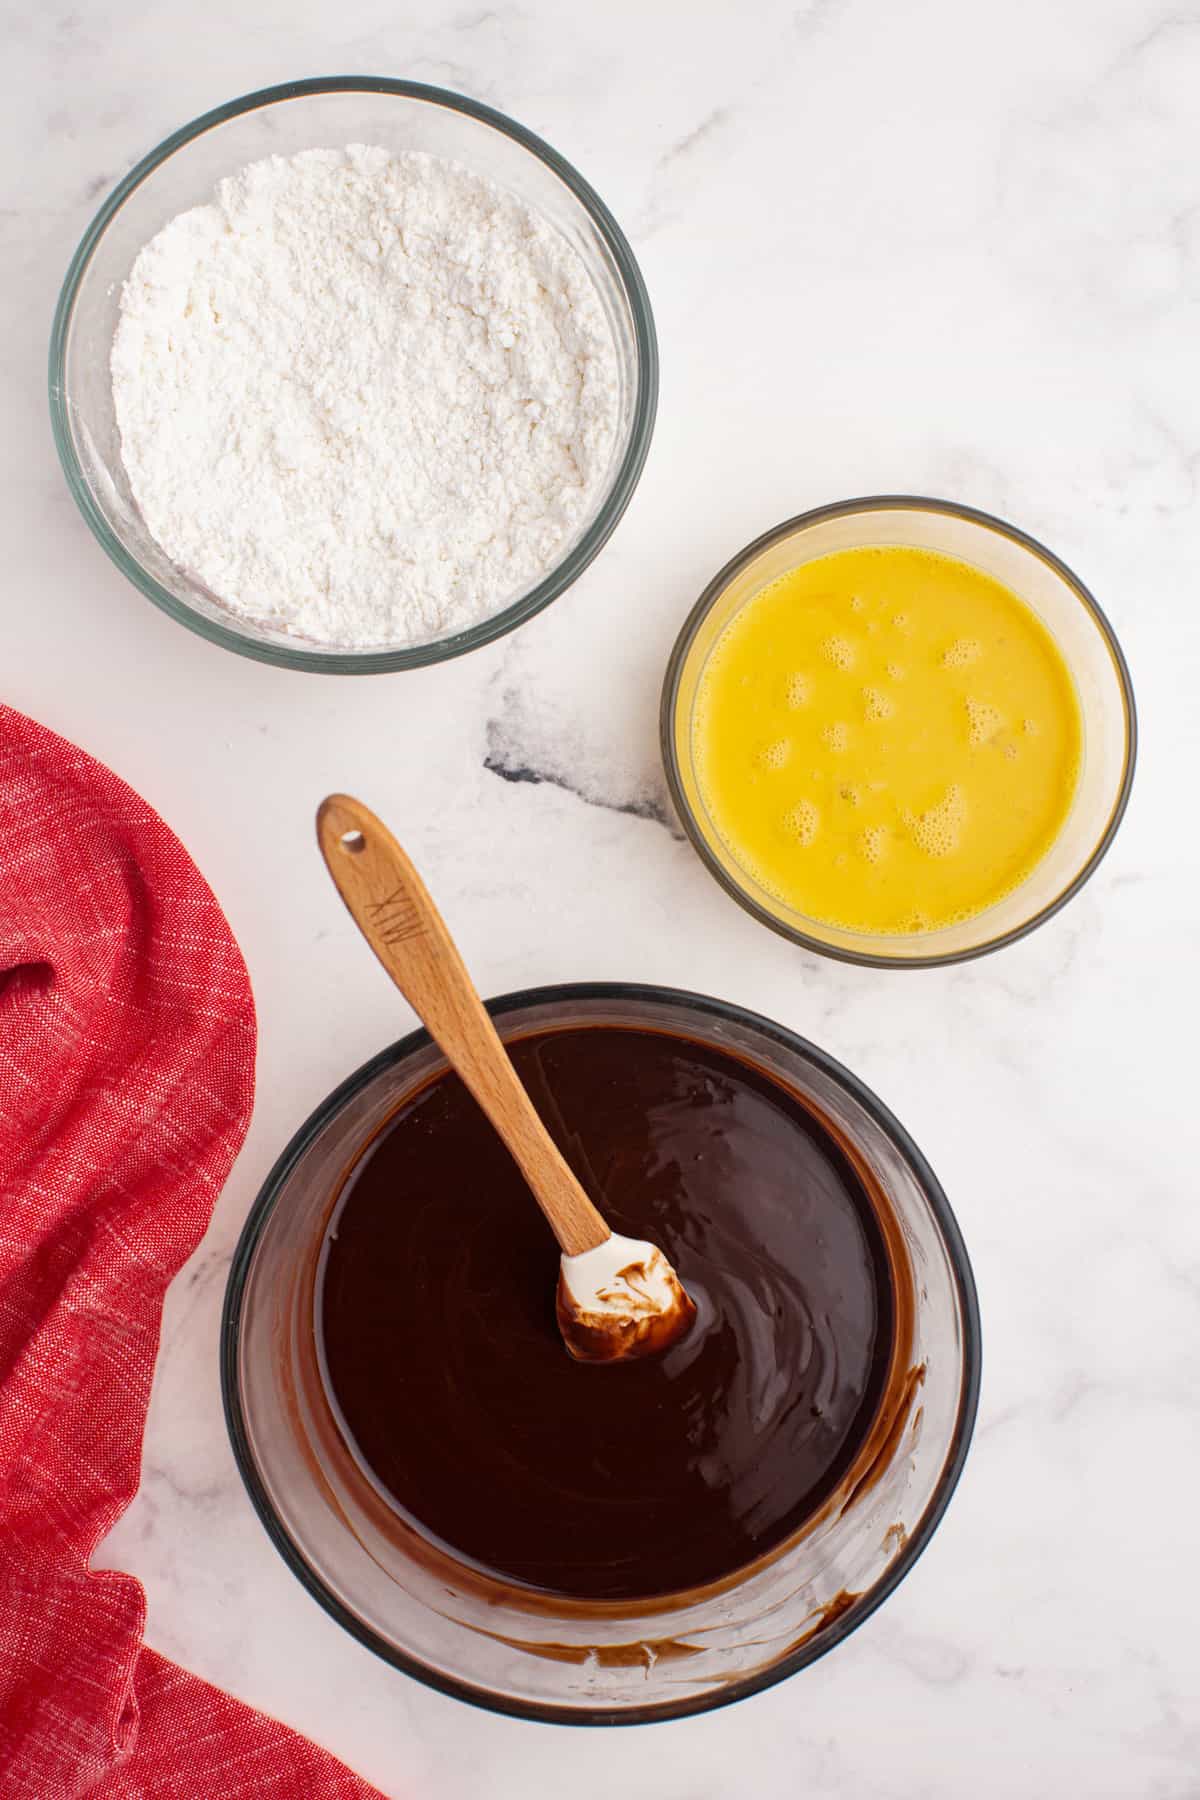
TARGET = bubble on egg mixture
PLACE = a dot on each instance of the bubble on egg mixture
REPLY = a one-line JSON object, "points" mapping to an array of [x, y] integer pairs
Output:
{"points": [[938, 830], [902, 623], [839, 651], [962, 653], [876, 704], [984, 722], [802, 822], [1030, 727], [798, 689], [872, 843], [896, 671], [774, 756], [836, 736], [851, 795]]}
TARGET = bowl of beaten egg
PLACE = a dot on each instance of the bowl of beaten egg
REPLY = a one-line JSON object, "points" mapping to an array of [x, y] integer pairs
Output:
{"points": [[899, 731]]}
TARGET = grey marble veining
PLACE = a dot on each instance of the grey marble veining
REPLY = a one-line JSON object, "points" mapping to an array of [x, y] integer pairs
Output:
{"points": [[937, 248]]}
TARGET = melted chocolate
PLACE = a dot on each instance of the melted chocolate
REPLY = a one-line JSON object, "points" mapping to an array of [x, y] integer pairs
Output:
{"points": [[446, 1371]]}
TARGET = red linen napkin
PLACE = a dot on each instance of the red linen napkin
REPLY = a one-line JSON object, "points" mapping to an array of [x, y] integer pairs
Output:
{"points": [[126, 1082]]}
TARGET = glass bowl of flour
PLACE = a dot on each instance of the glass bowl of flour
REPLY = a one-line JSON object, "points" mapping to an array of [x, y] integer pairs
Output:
{"points": [[353, 375]]}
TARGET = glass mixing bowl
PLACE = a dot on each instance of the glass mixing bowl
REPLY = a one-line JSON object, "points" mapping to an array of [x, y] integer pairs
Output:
{"points": [[1083, 635], [609, 1662], [280, 121]]}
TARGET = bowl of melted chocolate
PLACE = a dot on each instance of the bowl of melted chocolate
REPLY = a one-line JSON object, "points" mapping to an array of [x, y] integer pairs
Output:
{"points": [[603, 1543]]}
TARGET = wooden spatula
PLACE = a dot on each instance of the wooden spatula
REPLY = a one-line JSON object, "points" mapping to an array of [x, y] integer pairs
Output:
{"points": [[618, 1297]]}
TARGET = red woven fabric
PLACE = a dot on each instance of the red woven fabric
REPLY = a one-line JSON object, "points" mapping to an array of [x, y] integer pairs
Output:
{"points": [[126, 1082]]}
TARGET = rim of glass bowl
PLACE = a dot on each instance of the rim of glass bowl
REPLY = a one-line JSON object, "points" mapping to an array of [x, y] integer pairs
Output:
{"points": [[371, 662], [670, 699], [709, 1009]]}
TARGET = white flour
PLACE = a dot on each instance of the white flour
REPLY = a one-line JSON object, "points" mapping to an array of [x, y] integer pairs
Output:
{"points": [[365, 398]]}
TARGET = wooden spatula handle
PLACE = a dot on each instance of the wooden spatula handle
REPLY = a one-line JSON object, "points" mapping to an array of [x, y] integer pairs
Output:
{"points": [[391, 906]]}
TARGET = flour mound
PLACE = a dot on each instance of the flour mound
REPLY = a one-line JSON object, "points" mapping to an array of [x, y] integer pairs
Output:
{"points": [[367, 399]]}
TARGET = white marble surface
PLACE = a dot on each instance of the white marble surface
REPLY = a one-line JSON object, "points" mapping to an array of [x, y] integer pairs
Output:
{"points": [[933, 246]]}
